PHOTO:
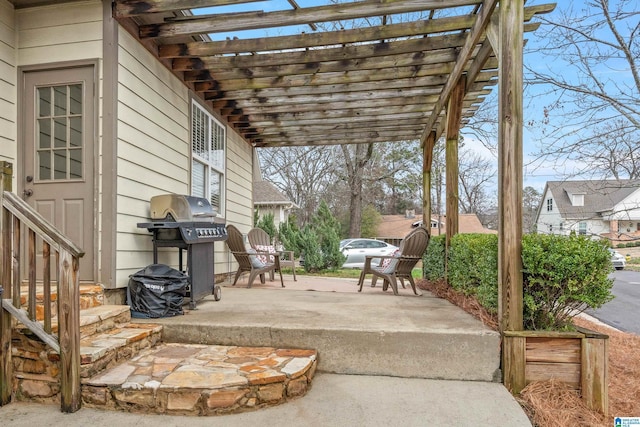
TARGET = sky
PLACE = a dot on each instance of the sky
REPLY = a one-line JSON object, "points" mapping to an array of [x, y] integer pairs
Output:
{"points": [[535, 173]]}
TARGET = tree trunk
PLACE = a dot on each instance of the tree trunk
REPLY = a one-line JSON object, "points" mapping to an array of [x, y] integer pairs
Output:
{"points": [[356, 165]]}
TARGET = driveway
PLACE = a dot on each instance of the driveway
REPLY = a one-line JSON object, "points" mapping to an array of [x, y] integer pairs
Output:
{"points": [[622, 312]]}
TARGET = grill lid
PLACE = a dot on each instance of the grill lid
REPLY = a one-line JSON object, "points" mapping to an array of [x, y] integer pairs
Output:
{"points": [[180, 207]]}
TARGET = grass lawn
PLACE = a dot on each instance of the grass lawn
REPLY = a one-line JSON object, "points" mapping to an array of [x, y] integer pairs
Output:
{"points": [[345, 273]]}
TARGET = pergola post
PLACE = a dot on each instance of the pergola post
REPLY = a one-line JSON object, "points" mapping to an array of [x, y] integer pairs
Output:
{"points": [[427, 162], [454, 114], [510, 303]]}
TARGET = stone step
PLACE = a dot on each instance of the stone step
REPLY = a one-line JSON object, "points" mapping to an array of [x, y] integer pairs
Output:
{"points": [[195, 379], [104, 350], [99, 319], [91, 295]]}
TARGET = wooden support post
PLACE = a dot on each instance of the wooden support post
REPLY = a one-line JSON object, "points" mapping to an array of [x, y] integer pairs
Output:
{"points": [[69, 331], [427, 162], [594, 376], [454, 114], [6, 371], [510, 168]]}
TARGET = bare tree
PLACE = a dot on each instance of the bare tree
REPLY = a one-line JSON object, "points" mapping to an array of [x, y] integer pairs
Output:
{"points": [[530, 201], [301, 173], [475, 174], [356, 157], [590, 72]]}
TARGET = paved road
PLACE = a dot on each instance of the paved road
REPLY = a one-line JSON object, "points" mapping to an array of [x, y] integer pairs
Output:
{"points": [[622, 312]]}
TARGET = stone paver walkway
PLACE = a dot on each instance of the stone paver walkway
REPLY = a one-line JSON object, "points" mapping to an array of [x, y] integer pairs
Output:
{"points": [[202, 379]]}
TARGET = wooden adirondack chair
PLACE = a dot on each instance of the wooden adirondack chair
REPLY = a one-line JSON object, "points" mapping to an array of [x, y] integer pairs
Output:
{"points": [[400, 266], [251, 261], [261, 241]]}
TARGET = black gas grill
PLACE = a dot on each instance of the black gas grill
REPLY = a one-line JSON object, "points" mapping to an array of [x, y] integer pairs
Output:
{"points": [[188, 222]]}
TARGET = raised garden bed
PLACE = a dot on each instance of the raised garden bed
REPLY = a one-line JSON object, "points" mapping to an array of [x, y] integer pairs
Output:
{"points": [[578, 359]]}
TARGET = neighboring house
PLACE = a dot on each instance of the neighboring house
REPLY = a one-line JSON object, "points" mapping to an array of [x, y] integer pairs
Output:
{"points": [[609, 209], [268, 199], [95, 126], [394, 227]]}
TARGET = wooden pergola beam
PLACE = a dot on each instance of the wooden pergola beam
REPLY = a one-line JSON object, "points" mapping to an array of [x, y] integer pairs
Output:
{"points": [[130, 8], [311, 40], [222, 23], [474, 36]]}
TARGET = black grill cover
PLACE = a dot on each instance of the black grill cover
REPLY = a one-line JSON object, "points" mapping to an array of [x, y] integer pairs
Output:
{"points": [[157, 291]]}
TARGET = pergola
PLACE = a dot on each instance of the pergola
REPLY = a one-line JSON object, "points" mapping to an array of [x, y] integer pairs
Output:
{"points": [[384, 81]]}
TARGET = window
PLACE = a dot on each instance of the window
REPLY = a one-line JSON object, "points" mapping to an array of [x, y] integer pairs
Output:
{"points": [[59, 132], [208, 144], [582, 228], [549, 205], [550, 228], [562, 226]]}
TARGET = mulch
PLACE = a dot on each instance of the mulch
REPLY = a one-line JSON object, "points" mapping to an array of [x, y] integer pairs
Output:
{"points": [[552, 403]]}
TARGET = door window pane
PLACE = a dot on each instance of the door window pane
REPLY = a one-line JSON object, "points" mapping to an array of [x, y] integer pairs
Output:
{"points": [[75, 99], [75, 132], [60, 100], [59, 164], [44, 102], [60, 132], [44, 133], [75, 163], [44, 165]]}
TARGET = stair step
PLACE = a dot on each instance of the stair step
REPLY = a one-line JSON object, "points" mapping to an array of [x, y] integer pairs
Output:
{"points": [[99, 319], [91, 295], [101, 351], [194, 379]]}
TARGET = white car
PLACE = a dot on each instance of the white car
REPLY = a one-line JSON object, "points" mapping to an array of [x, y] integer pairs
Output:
{"points": [[618, 260], [357, 249]]}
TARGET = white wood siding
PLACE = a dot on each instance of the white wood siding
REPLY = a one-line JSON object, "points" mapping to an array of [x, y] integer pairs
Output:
{"points": [[8, 108], [547, 218], [152, 150], [628, 210], [64, 32], [239, 206]]}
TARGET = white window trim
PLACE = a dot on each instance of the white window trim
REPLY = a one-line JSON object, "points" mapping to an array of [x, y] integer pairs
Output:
{"points": [[210, 164]]}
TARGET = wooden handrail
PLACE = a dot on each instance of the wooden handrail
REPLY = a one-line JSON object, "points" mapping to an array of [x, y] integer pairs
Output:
{"points": [[36, 222], [18, 218]]}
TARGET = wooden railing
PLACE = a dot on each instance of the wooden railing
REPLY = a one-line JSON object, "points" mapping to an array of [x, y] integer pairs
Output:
{"points": [[18, 220]]}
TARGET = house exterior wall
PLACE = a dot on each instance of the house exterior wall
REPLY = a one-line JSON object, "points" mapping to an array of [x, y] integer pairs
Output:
{"points": [[154, 111], [554, 219], [8, 94], [239, 182], [148, 151], [549, 218], [63, 32], [280, 215], [152, 150]]}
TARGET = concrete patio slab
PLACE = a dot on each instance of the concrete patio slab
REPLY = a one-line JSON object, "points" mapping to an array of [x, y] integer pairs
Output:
{"points": [[368, 333], [334, 400]]}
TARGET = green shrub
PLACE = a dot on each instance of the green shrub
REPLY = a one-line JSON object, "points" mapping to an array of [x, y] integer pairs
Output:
{"points": [[473, 267], [289, 236], [433, 259], [562, 275], [320, 241], [267, 223]]}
